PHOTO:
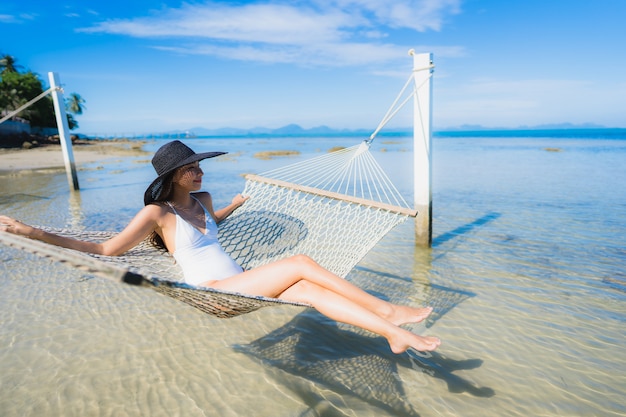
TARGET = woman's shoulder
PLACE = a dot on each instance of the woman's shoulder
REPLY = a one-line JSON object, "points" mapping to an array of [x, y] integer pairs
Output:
{"points": [[205, 200], [157, 208], [202, 195]]}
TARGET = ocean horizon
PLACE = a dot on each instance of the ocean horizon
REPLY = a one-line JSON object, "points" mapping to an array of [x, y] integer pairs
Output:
{"points": [[323, 131]]}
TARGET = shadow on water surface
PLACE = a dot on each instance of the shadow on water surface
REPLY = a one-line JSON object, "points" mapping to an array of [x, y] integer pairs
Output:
{"points": [[355, 365], [312, 348], [441, 298], [616, 282], [20, 198], [466, 228]]}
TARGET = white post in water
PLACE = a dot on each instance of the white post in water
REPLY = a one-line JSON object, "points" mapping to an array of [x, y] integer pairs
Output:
{"points": [[64, 130], [422, 138]]}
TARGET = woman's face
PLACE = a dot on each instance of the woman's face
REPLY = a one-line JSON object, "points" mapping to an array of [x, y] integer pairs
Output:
{"points": [[189, 176]]}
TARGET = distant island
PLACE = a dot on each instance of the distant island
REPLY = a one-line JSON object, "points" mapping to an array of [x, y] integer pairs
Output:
{"points": [[288, 130]]}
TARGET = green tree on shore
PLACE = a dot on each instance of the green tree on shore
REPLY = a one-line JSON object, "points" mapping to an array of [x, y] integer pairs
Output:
{"points": [[17, 88], [7, 63], [75, 104]]}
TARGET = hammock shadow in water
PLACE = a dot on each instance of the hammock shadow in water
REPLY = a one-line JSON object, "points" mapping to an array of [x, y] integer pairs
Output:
{"points": [[260, 235], [466, 228], [354, 364], [441, 299], [616, 282]]}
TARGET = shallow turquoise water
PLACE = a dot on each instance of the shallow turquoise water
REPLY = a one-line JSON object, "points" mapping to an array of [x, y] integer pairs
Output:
{"points": [[525, 273]]}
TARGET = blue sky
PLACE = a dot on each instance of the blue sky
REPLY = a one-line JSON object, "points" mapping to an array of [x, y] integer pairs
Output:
{"points": [[154, 66]]}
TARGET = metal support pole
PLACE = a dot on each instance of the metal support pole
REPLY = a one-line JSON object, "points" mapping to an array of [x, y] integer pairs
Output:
{"points": [[64, 130], [422, 138]]}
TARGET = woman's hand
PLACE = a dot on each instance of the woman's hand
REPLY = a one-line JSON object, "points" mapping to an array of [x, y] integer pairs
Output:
{"points": [[238, 200], [221, 214], [10, 225], [144, 223]]}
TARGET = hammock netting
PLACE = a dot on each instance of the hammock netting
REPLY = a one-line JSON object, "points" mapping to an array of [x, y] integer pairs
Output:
{"points": [[334, 208]]}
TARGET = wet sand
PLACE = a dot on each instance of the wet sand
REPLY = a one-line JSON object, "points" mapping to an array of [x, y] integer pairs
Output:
{"points": [[51, 156]]}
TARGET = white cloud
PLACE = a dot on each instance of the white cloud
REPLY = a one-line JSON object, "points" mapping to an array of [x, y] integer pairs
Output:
{"points": [[420, 15], [324, 54], [22, 18], [334, 33], [259, 23], [7, 18]]}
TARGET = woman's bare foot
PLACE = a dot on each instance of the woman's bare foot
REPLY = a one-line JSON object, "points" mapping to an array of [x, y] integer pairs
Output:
{"points": [[405, 339], [405, 314]]}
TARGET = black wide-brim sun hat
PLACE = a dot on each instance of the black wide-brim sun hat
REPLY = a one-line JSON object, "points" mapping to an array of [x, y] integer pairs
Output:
{"points": [[169, 157]]}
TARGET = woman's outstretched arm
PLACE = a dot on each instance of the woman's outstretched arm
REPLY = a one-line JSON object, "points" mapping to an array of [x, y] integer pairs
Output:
{"points": [[146, 221], [221, 214]]}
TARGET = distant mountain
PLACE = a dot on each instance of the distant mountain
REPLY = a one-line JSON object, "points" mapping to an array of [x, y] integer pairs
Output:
{"points": [[288, 130], [565, 126], [555, 126]]}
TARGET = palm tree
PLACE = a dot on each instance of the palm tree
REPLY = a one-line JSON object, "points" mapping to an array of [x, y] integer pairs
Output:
{"points": [[7, 63], [75, 104]]}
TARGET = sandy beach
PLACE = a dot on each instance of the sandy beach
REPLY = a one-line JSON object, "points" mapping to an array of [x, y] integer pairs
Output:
{"points": [[51, 156]]}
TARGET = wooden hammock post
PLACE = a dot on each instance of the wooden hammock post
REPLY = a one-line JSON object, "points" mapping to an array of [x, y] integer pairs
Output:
{"points": [[422, 138], [64, 130]]}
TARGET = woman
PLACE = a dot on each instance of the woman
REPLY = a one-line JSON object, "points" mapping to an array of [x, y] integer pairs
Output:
{"points": [[182, 220]]}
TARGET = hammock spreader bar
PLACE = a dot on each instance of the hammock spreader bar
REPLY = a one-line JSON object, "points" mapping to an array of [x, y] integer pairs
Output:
{"points": [[333, 195], [222, 304]]}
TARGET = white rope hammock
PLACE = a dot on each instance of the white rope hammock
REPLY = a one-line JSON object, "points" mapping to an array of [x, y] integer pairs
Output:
{"points": [[334, 208]]}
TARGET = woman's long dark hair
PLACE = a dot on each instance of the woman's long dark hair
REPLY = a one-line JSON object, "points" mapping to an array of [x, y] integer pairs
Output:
{"points": [[164, 195]]}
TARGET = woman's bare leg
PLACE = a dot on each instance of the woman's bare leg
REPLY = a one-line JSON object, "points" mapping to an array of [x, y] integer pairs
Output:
{"points": [[272, 279], [339, 308], [301, 279]]}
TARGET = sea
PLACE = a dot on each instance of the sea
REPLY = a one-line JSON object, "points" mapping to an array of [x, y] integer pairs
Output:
{"points": [[526, 275]]}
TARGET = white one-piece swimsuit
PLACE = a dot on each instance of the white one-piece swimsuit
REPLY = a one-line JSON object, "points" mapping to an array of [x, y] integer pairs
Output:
{"points": [[200, 255]]}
